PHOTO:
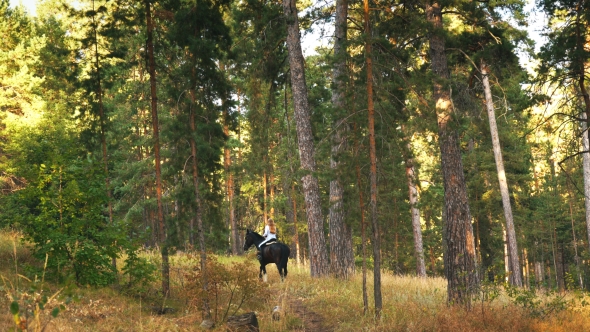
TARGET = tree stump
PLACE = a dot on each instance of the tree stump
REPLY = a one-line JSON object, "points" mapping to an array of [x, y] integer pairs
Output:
{"points": [[243, 323]]}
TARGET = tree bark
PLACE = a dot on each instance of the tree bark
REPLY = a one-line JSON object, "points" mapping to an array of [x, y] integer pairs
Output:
{"points": [[229, 187], [415, 212], [271, 180], [539, 279], [264, 192], [341, 254], [102, 119], [559, 267], [198, 213], [318, 257], [363, 225], [156, 138], [581, 41], [373, 169], [514, 263], [586, 168], [574, 241], [293, 196], [196, 184], [295, 230], [460, 256]]}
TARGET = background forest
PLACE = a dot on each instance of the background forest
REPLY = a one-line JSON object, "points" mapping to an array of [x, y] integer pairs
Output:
{"points": [[422, 137]]}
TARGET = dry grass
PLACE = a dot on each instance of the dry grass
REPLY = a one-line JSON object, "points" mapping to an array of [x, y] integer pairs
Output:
{"points": [[409, 304]]}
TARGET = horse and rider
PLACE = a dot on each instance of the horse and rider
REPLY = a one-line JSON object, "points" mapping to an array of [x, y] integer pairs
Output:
{"points": [[269, 250]]}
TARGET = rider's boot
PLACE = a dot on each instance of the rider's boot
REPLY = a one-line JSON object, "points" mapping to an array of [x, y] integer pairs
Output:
{"points": [[259, 254]]}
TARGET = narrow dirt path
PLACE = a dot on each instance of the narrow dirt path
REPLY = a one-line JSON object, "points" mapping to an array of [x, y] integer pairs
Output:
{"points": [[312, 321]]}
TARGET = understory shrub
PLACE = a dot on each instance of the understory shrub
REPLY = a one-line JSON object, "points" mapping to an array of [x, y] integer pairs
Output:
{"points": [[229, 288]]}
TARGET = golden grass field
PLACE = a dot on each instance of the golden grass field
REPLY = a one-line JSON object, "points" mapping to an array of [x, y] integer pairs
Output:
{"points": [[307, 304]]}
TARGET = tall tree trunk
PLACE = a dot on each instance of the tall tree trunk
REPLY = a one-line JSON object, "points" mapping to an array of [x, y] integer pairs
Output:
{"points": [[574, 241], [264, 194], [559, 267], [292, 197], [318, 257], [199, 212], [539, 274], [460, 256], [586, 168], [415, 212], [286, 189], [102, 119], [156, 138], [373, 172], [515, 270], [582, 42], [363, 225], [229, 184], [341, 255], [527, 274], [271, 179]]}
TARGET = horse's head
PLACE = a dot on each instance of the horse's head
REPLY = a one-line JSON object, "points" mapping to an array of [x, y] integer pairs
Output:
{"points": [[249, 240]]}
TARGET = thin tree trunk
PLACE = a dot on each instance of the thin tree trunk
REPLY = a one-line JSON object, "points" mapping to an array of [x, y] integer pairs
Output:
{"points": [[415, 212], [574, 241], [293, 196], [373, 172], [341, 255], [102, 119], [234, 237], [581, 42], [506, 253], [557, 246], [539, 274], [156, 138], [527, 272], [586, 168], [198, 214], [295, 231], [318, 257], [460, 256], [264, 193], [271, 179], [515, 270], [363, 225], [559, 268], [290, 215]]}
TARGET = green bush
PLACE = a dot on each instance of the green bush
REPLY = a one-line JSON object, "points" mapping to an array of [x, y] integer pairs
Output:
{"points": [[139, 274]]}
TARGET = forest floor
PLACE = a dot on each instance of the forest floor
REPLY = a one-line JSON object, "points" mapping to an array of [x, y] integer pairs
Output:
{"points": [[303, 303]]}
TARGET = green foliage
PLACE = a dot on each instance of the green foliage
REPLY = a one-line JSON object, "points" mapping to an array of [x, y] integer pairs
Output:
{"points": [[61, 209], [536, 305], [140, 274]]}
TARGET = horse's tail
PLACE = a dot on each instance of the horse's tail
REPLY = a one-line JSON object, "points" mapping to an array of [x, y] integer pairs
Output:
{"points": [[285, 253]]}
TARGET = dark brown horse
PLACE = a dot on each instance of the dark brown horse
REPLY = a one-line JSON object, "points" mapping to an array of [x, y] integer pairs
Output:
{"points": [[277, 253]]}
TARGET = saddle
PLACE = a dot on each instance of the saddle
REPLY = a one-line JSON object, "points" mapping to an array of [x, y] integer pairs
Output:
{"points": [[269, 242]]}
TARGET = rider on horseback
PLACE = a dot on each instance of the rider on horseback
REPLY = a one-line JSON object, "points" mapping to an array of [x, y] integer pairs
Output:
{"points": [[270, 233]]}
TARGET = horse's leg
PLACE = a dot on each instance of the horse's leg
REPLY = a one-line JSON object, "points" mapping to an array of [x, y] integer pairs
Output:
{"points": [[280, 268], [285, 268], [263, 271]]}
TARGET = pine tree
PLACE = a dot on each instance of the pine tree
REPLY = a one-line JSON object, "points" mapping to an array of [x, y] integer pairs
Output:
{"points": [[317, 244], [341, 256], [460, 260]]}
